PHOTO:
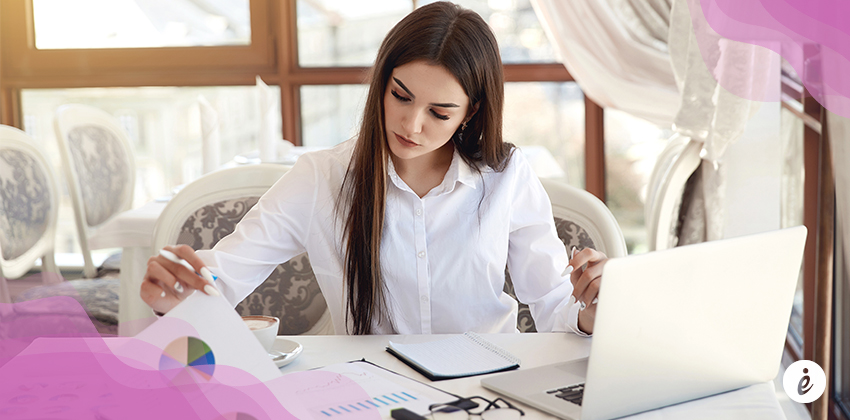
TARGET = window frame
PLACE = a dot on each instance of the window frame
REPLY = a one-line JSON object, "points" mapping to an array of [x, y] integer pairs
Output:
{"points": [[23, 66], [88, 67], [819, 269]]}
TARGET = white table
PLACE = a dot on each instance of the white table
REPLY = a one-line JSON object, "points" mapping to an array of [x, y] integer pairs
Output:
{"points": [[132, 231], [753, 402]]}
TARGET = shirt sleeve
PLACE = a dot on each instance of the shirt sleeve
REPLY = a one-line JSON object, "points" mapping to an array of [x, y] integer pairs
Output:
{"points": [[537, 257], [272, 232]]}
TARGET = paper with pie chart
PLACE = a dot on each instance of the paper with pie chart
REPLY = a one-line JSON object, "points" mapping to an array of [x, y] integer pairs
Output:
{"points": [[229, 343], [187, 360]]}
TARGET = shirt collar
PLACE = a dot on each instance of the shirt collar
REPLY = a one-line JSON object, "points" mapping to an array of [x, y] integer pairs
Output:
{"points": [[459, 171]]}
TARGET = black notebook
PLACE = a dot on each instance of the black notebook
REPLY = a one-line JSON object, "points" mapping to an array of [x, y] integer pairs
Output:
{"points": [[455, 357]]}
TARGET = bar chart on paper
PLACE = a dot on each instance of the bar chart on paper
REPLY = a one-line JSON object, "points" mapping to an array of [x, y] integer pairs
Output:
{"points": [[384, 391], [380, 403]]}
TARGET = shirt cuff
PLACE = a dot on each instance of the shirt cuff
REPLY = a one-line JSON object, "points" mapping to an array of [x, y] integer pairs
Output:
{"points": [[572, 320]]}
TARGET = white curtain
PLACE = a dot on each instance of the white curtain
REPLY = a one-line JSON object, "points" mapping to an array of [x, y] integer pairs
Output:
{"points": [[617, 52], [659, 60], [705, 65]]}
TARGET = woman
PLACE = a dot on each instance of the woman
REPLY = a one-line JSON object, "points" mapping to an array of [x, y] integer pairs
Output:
{"points": [[409, 226]]}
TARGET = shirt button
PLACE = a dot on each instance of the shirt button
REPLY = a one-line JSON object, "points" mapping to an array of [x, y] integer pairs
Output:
{"points": [[424, 298], [421, 254], [418, 212]]}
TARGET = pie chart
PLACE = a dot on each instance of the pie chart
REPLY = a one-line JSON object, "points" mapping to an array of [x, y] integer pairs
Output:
{"points": [[187, 360]]}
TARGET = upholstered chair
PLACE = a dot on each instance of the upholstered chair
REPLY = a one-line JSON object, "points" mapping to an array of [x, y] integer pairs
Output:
{"points": [[675, 165], [582, 221], [100, 169], [208, 209], [28, 210]]}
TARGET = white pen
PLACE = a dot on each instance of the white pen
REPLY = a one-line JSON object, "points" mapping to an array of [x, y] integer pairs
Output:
{"points": [[205, 273]]}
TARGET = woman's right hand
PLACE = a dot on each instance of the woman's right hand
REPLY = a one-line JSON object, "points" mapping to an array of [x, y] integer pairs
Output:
{"points": [[167, 283]]}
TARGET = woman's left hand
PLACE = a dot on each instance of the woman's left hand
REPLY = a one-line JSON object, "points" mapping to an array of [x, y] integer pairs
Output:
{"points": [[586, 279]]}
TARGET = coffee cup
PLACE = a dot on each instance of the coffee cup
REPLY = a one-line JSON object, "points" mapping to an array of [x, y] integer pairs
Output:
{"points": [[264, 328]]}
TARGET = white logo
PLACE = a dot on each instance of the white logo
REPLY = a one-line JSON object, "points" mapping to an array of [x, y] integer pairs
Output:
{"points": [[804, 381]]}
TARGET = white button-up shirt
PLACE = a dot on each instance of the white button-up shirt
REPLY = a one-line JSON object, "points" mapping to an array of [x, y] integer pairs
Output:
{"points": [[443, 255]]}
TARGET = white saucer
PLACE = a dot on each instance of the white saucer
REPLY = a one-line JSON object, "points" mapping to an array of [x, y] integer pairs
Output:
{"points": [[288, 347]]}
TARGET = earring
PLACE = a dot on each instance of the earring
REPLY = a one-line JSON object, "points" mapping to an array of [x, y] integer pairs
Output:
{"points": [[460, 134]]}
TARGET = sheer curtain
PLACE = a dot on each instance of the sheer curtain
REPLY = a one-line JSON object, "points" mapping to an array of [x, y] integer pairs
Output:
{"points": [[617, 52], [659, 60]]}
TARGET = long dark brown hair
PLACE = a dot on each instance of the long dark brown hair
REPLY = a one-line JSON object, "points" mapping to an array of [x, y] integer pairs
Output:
{"points": [[441, 34]]}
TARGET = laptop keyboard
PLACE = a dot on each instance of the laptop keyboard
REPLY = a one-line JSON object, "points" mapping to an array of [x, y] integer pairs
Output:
{"points": [[572, 394]]}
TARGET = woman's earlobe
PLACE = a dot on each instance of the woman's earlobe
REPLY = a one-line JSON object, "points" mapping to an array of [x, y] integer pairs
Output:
{"points": [[472, 111]]}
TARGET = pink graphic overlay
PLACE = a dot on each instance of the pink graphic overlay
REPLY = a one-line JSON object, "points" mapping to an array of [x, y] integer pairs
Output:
{"points": [[54, 364], [812, 35]]}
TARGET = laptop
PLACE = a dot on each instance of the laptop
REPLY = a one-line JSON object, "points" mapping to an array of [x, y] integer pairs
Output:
{"points": [[673, 326]]}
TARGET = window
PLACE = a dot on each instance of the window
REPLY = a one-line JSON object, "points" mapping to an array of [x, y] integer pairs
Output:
{"points": [[343, 32], [330, 113], [62, 24], [546, 120], [74, 61], [631, 148], [521, 38]]}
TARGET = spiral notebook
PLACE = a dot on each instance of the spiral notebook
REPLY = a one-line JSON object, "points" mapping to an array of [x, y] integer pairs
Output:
{"points": [[455, 357]]}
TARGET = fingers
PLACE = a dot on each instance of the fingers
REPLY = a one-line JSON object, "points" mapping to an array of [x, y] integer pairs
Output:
{"points": [[158, 289], [585, 256], [586, 276], [186, 270], [175, 276], [586, 287], [172, 275], [580, 260], [590, 296], [187, 253]]}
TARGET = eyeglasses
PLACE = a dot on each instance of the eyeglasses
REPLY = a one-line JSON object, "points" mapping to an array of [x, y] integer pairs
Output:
{"points": [[492, 411]]}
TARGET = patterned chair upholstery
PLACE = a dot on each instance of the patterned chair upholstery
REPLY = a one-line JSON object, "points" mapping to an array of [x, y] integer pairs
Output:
{"points": [[290, 293], [582, 221], [28, 209], [99, 165], [207, 210], [25, 194]]}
